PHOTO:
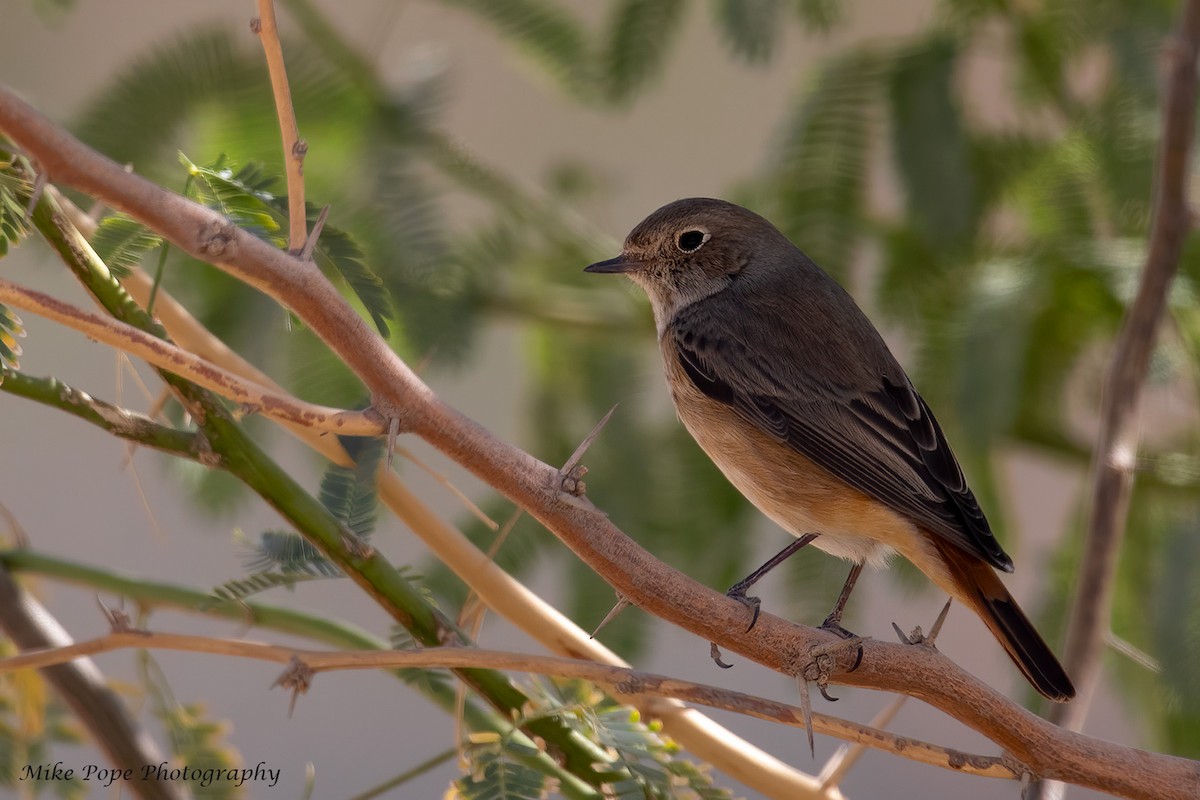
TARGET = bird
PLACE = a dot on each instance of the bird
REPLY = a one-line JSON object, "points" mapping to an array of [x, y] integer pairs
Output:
{"points": [[786, 385]]}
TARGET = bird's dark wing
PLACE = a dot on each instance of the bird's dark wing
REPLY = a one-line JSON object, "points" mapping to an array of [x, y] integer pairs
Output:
{"points": [[821, 396]]}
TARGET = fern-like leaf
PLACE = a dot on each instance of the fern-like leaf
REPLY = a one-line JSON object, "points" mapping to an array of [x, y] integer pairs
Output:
{"points": [[819, 174], [289, 553], [10, 330], [930, 145], [494, 777], [750, 27], [819, 15], [239, 196], [15, 188], [350, 492], [121, 241], [337, 251], [638, 42], [144, 112], [239, 589]]}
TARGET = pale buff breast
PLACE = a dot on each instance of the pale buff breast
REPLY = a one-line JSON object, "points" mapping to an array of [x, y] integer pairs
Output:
{"points": [[796, 493]]}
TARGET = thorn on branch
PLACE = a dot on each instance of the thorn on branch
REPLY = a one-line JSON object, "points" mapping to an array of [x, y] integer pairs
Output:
{"points": [[570, 477], [621, 604], [118, 620], [806, 712], [392, 435], [311, 243], [298, 678], [355, 546], [39, 185]]}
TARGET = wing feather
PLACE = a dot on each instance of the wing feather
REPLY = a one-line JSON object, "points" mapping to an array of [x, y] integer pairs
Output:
{"points": [[869, 428]]}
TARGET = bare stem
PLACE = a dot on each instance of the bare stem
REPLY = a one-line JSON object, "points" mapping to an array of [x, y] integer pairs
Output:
{"points": [[165, 355], [294, 148], [630, 682]]}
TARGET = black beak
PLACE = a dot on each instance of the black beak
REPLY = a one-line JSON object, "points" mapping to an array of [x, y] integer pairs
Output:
{"points": [[616, 265]]}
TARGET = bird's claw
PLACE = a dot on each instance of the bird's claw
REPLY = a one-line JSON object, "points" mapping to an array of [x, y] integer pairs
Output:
{"points": [[752, 603], [715, 653]]}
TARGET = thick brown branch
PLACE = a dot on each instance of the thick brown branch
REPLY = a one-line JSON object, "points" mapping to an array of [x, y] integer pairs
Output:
{"points": [[1116, 448], [633, 572]]}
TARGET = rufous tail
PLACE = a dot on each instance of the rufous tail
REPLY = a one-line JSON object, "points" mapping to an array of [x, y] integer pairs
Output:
{"points": [[980, 587]]}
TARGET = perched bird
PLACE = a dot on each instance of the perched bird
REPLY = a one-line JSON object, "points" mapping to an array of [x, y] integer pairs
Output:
{"points": [[788, 387]]}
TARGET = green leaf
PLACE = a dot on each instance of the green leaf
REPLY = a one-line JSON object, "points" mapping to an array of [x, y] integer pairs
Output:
{"points": [[639, 38], [15, 189], [143, 114], [350, 492], [494, 777], [11, 329], [240, 196], [820, 15], [337, 251], [929, 143], [122, 241], [750, 27], [289, 554], [241, 588], [817, 177]]}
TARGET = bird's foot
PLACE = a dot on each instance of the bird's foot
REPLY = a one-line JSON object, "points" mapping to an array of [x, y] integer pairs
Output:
{"points": [[825, 658], [752, 603], [832, 625]]}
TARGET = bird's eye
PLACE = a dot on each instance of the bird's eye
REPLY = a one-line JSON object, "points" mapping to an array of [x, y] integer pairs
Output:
{"points": [[690, 241]]}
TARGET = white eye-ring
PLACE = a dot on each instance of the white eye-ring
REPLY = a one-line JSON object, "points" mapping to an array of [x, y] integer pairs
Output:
{"points": [[692, 239]]}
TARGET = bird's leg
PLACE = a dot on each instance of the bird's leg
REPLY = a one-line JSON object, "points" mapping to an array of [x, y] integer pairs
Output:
{"points": [[738, 590], [833, 622]]}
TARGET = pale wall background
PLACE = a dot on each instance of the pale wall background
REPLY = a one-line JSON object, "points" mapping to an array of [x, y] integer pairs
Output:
{"points": [[62, 479]]}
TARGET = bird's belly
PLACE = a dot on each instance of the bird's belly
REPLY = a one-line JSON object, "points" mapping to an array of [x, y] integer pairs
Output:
{"points": [[796, 493]]}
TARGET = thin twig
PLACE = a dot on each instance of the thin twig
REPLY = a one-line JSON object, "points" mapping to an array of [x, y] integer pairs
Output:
{"points": [[631, 681], [167, 356], [449, 486], [294, 148], [1117, 444]]}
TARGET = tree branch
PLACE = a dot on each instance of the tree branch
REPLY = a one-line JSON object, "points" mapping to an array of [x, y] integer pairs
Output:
{"points": [[1115, 455], [632, 571], [177, 361], [118, 421], [626, 681], [335, 633], [294, 148]]}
